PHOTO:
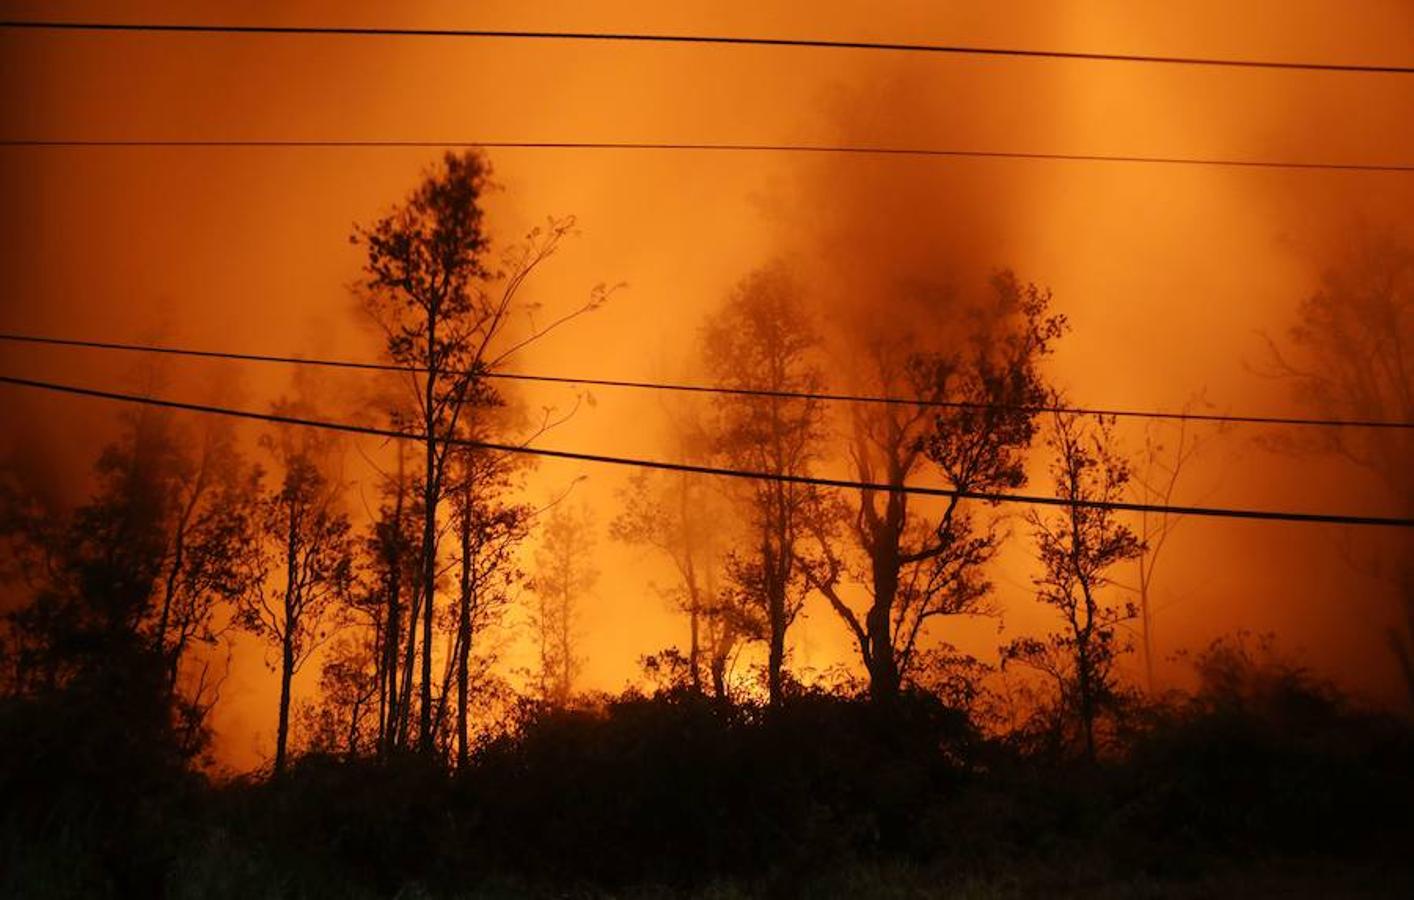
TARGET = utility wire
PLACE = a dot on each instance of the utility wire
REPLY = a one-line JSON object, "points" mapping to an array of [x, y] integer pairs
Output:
{"points": [[983, 496], [934, 152], [642, 38], [710, 389]]}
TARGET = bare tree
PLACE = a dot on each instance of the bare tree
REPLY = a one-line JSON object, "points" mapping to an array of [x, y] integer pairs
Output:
{"points": [[970, 411], [310, 552], [564, 574], [447, 317], [1078, 547], [680, 515], [1162, 465], [1349, 356], [763, 340]]}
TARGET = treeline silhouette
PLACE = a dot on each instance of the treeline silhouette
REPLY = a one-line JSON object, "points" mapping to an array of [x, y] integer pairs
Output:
{"points": [[420, 765]]}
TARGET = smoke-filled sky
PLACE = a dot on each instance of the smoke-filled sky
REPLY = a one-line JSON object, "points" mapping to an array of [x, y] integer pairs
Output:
{"points": [[1168, 274]]}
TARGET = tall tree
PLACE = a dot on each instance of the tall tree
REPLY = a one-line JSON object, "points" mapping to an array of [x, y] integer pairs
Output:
{"points": [[446, 314], [970, 411], [1349, 356], [564, 574], [309, 552], [1078, 547], [763, 340]]}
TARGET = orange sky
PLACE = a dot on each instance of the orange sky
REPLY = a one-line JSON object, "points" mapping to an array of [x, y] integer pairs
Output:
{"points": [[1165, 272]]}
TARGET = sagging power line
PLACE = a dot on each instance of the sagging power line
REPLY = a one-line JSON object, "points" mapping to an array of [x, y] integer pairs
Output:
{"points": [[716, 471], [923, 152], [1220, 418], [699, 39]]}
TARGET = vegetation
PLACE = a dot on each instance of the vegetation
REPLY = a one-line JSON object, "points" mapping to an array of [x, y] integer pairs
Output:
{"points": [[424, 768]]}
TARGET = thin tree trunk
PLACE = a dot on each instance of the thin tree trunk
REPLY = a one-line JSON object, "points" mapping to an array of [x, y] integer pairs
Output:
{"points": [[464, 624], [393, 638], [565, 663], [282, 729], [287, 645], [431, 488], [776, 620], [409, 664]]}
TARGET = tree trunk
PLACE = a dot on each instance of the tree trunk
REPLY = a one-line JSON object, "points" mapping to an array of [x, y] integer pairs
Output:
{"points": [[287, 641], [464, 626], [282, 729], [387, 726], [776, 655], [430, 491], [882, 663], [694, 653], [409, 662], [884, 678], [1087, 705], [566, 676]]}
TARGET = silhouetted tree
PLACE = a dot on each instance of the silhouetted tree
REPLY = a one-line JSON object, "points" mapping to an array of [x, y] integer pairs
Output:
{"points": [[1162, 465], [564, 573], [489, 531], [212, 549], [763, 340], [970, 411], [309, 553], [343, 716], [1078, 547], [104, 569], [1349, 356], [99, 582], [679, 515], [447, 316], [388, 574]]}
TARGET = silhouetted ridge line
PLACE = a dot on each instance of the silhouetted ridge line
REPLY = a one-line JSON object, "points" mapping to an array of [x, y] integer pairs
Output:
{"points": [[983, 496], [710, 389], [663, 38], [80, 143]]}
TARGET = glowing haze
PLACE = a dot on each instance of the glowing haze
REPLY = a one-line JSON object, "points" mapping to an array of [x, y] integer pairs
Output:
{"points": [[1167, 273]]}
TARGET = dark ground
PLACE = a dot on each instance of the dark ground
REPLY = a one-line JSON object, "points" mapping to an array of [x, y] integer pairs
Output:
{"points": [[1263, 788]]}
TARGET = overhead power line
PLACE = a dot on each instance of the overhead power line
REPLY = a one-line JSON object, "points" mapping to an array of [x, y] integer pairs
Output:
{"points": [[707, 389], [851, 150], [699, 39], [716, 471]]}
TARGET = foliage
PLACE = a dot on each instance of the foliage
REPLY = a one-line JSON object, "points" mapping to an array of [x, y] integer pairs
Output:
{"points": [[1078, 546], [763, 341], [564, 575], [969, 410]]}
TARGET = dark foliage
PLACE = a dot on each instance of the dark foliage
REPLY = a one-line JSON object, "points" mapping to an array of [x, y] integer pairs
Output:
{"points": [[679, 790], [95, 782]]}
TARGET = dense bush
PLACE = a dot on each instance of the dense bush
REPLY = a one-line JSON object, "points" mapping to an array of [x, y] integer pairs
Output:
{"points": [[678, 791]]}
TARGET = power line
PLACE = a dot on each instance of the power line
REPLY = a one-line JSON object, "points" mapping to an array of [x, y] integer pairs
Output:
{"points": [[924, 152], [660, 465], [701, 39], [710, 389]]}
